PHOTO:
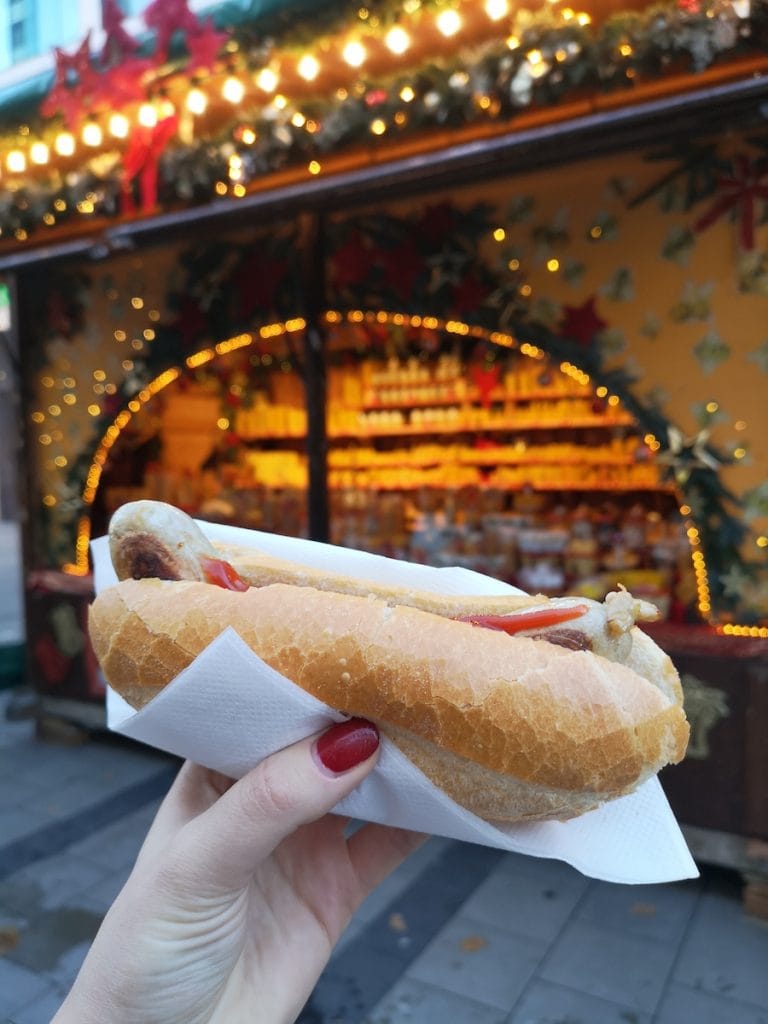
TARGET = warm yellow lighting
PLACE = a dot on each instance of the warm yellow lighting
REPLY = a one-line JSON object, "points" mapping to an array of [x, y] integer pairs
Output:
{"points": [[137, 302], [613, 400], [93, 410], [397, 40], [147, 115], [711, 407], [280, 102], [221, 188], [583, 18], [685, 510], [513, 42], [762, 542], [499, 234], [739, 453], [222, 423], [238, 190], [514, 264], [407, 95], [49, 500], [38, 417], [553, 265], [496, 9], [248, 135], [740, 425], [60, 461], [235, 167], [378, 127], [626, 50], [39, 153], [233, 90], [92, 134], [267, 80], [16, 161], [354, 53], [298, 120], [308, 67], [45, 439], [197, 101], [119, 126], [49, 219], [314, 167], [64, 144], [596, 231], [149, 334], [448, 22], [70, 399], [526, 290]]}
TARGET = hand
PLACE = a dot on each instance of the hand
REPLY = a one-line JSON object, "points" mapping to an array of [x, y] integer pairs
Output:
{"points": [[240, 892]]}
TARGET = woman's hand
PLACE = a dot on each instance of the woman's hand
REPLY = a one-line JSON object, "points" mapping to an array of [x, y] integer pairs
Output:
{"points": [[240, 892]]}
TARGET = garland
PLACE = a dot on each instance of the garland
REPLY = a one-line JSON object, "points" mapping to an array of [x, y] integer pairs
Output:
{"points": [[539, 59]]}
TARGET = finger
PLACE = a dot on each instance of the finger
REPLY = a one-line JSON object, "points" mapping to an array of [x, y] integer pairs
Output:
{"points": [[193, 791], [220, 849], [376, 850]]}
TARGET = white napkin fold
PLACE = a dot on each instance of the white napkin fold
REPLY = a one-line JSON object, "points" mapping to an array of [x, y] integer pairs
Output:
{"points": [[229, 710]]}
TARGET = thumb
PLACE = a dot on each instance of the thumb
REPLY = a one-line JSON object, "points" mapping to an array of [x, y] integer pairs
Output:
{"points": [[220, 850]]}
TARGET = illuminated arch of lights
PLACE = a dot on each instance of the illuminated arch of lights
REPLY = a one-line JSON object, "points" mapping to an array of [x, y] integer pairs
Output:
{"points": [[80, 566]]}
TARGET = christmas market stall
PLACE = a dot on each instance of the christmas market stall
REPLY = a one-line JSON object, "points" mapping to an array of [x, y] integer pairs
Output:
{"points": [[458, 283]]}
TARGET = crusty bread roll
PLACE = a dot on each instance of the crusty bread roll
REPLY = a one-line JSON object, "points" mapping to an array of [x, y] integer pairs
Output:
{"points": [[511, 727]]}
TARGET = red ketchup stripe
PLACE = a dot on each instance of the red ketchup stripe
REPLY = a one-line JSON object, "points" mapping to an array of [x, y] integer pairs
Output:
{"points": [[222, 574], [537, 618]]}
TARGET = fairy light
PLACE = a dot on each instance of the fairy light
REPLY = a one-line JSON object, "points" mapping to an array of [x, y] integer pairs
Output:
{"points": [[499, 234], [314, 167], [397, 40], [267, 80], [448, 22], [119, 126], [16, 161], [248, 136], [354, 53], [39, 153], [378, 126], [197, 101], [308, 67], [407, 95], [147, 115], [92, 134], [496, 9], [233, 90]]}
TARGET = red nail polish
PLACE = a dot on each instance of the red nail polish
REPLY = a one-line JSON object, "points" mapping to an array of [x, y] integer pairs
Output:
{"points": [[347, 744]]}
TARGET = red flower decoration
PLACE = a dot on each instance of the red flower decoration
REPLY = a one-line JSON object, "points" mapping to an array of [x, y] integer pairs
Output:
{"points": [[582, 323]]}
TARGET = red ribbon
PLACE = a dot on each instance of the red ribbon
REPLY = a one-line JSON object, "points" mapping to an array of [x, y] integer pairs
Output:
{"points": [[142, 158], [741, 190]]}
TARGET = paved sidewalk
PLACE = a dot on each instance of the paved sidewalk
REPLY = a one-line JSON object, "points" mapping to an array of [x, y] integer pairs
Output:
{"points": [[458, 935]]}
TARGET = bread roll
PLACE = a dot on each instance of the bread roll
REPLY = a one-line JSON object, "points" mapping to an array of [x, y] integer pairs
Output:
{"points": [[512, 728]]}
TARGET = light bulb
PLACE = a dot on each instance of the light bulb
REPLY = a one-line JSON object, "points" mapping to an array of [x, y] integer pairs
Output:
{"points": [[308, 67], [92, 134], [354, 53], [233, 90], [65, 144], [16, 161], [267, 80], [119, 126], [397, 40], [197, 101], [496, 9], [147, 115], [39, 153], [448, 22]]}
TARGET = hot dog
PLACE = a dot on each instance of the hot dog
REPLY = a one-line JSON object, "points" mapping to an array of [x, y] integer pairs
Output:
{"points": [[518, 707]]}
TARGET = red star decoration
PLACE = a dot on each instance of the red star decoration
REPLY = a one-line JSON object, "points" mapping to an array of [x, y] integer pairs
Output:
{"points": [[74, 83], [468, 294], [352, 261], [118, 42], [582, 323], [166, 17], [402, 267], [204, 47]]}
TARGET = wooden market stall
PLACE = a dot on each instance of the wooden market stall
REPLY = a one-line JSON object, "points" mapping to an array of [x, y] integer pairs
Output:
{"points": [[456, 283]]}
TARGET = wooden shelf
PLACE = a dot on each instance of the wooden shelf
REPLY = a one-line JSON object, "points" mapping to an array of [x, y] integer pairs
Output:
{"points": [[471, 398]]}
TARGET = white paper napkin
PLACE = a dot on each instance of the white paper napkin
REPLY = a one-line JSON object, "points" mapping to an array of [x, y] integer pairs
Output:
{"points": [[229, 710]]}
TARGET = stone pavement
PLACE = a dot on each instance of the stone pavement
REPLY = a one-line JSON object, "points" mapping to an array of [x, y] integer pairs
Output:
{"points": [[458, 935]]}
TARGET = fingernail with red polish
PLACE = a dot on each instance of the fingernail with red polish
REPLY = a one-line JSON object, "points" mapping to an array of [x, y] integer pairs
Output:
{"points": [[347, 744]]}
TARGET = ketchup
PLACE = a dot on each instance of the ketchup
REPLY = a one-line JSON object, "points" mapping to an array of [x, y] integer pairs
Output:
{"points": [[536, 618], [222, 574]]}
